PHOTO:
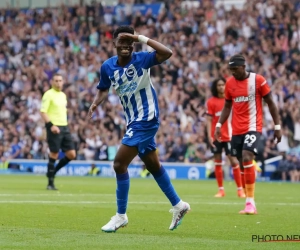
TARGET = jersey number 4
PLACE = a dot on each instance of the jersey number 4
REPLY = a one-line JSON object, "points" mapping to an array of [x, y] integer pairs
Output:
{"points": [[129, 132]]}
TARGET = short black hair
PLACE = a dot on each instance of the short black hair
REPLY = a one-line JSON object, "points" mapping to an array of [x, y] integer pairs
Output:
{"points": [[213, 87], [123, 29]]}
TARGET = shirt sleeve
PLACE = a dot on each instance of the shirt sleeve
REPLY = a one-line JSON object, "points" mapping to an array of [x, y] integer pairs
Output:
{"points": [[264, 87], [149, 59], [227, 92], [45, 102], [104, 82], [210, 108]]}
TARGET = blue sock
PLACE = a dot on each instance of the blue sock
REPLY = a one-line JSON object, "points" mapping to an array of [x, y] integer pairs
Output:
{"points": [[163, 180], [122, 191]]}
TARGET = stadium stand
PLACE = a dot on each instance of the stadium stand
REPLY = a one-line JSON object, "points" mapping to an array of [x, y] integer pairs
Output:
{"points": [[75, 40]]}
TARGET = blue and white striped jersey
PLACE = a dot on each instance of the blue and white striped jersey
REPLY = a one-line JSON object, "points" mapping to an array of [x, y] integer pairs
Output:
{"points": [[133, 85]]}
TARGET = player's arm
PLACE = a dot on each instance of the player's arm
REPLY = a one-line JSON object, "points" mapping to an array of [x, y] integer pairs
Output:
{"points": [[44, 107], [100, 97], [273, 108], [267, 96], [223, 118], [227, 107], [162, 53], [275, 115], [103, 89], [46, 99], [225, 112], [209, 114]]}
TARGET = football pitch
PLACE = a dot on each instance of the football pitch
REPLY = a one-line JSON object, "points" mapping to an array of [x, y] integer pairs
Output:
{"points": [[34, 218]]}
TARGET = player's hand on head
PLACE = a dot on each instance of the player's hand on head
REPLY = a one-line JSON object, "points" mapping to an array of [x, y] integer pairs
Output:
{"points": [[218, 134], [128, 36], [91, 110], [277, 136]]}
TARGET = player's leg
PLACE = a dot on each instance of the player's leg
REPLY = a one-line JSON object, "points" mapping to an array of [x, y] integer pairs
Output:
{"points": [[50, 170], [235, 169], [180, 208], [123, 158], [217, 151], [54, 141], [236, 152], [240, 160], [67, 146], [249, 151], [219, 174]]}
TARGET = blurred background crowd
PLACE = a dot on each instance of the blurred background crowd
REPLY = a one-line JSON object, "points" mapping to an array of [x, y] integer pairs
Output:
{"points": [[75, 40]]}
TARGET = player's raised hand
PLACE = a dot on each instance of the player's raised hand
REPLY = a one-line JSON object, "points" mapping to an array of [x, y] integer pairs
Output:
{"points": [[91, 110], [128, 36], [277, 136], [218, 134]]}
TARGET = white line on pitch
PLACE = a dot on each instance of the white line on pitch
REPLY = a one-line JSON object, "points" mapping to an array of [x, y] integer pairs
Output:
{"points": [[141, 202], [58, 194]]}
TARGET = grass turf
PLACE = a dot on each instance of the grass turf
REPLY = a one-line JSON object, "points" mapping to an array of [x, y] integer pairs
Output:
{"points": [[71, 218]]}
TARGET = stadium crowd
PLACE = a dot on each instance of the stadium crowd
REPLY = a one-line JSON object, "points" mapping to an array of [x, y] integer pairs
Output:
{"points": [[74, 41]]}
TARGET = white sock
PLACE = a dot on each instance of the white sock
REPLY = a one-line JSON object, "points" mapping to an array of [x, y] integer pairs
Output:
{"points": [[121, 215], [221, 188], [251, 200], [179, 204], [239, 188]]}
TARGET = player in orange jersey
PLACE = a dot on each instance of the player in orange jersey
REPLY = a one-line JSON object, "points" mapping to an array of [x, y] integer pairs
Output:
{"points": [[215, 105], [244, 92]]}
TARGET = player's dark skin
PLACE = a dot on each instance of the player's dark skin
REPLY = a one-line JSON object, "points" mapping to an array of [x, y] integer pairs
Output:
{"points": [[124, 45], [240, 74]]}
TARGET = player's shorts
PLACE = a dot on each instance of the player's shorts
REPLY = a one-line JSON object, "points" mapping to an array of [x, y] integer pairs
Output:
{"points": [[220, 146], [142, 136], [247, 142], [62, 141]]}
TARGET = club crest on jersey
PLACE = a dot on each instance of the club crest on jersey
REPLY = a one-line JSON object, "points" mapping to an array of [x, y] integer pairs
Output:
{"points": [[244, 98], [130, 71]]}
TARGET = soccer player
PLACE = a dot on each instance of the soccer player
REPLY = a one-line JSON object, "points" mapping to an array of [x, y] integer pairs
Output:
{"points": [[54, 113], [215, 105], [244, 92], [129, 74]]}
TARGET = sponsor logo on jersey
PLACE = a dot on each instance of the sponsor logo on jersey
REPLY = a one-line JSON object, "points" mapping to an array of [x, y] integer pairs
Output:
{"points": [[244, 98]]}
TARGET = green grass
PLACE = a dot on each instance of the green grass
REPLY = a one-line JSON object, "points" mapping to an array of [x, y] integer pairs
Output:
{"points": [[33, 218]]}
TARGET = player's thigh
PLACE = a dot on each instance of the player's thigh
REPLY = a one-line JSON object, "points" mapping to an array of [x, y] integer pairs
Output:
{"points": [[67, 143], [250, 145], [217, 150], [54, 141], [150, 157], [237, 146], [233, 160], [143, 140], [124, 157], [227, 147]]}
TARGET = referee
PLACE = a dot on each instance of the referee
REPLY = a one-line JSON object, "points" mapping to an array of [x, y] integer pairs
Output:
{"points": [[54, 113]]}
